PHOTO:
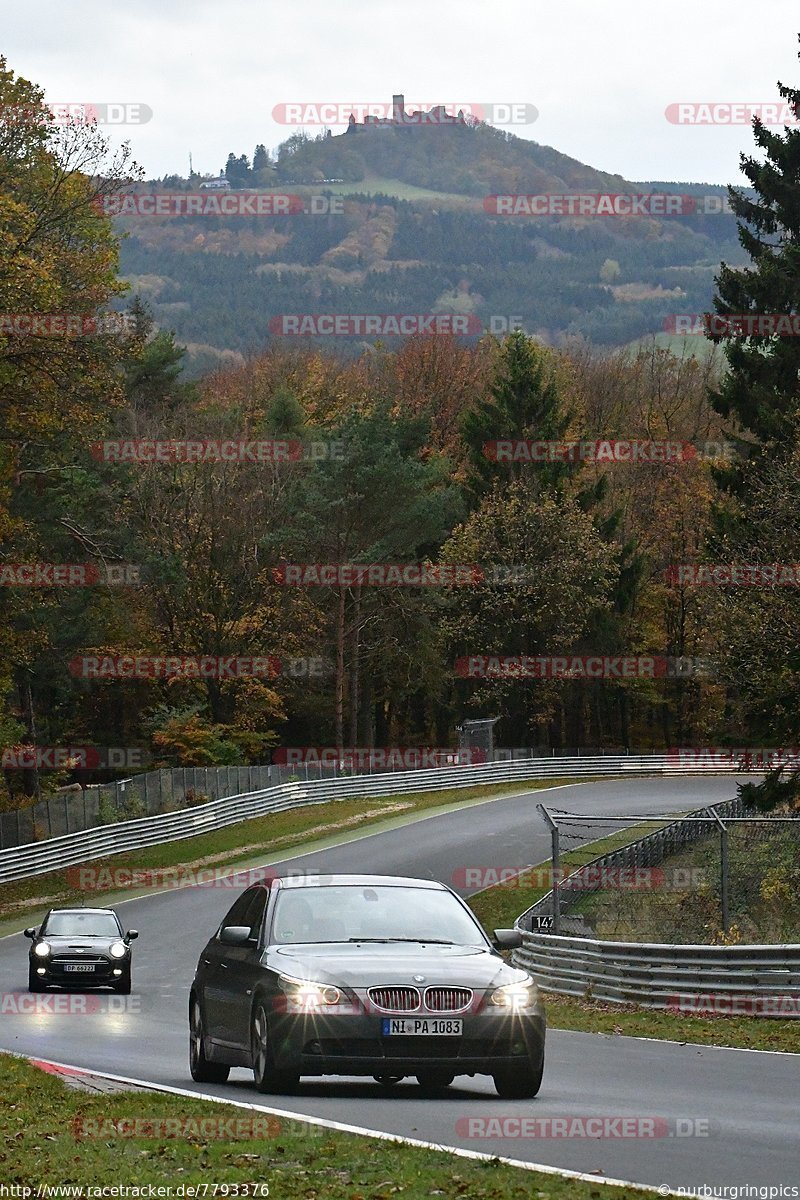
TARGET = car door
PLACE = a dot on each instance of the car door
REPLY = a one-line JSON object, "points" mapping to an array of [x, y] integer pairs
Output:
{"points": [[244, 967], [214, 966]]}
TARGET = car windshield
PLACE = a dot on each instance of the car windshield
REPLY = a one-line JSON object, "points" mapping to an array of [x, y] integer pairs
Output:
{"points": [[356, 913], [78, 924]]}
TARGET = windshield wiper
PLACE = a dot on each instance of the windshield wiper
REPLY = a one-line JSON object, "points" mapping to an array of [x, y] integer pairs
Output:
{"points": [[420, 941]]}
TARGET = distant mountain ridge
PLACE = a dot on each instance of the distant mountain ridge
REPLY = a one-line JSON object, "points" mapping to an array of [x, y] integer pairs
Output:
{"points": [[410, 235]]}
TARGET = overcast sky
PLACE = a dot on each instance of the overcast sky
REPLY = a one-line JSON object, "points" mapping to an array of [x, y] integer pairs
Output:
{"points": [[600, 74]]}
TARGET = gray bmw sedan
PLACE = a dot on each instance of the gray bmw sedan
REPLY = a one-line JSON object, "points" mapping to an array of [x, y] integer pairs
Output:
{"points": [[362, 975]]}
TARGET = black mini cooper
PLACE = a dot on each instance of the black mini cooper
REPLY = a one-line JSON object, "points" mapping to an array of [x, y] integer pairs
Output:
{"points": [[80, 947]]}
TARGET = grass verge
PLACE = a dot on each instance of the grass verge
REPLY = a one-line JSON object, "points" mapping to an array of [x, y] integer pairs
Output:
{"points": [[247, 843], [52, 1134], [742, 1033]]}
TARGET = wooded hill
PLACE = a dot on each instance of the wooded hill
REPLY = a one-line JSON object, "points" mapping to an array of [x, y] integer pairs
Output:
{"points": [[217, 281]]}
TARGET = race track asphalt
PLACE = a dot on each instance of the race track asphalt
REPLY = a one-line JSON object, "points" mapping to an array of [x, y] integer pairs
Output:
{"points": [[736, 1109]]}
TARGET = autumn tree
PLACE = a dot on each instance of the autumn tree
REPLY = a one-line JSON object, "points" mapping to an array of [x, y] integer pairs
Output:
{"points": [[59, 372], [761, 389], [547, 573]]}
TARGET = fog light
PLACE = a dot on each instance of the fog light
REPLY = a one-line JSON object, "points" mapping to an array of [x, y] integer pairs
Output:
{"points": [[41, 970], [116, 971]]}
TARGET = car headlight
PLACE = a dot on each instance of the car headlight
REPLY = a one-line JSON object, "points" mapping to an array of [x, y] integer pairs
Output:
{"points": [[42, 949], [117, 949], [308, 994], [515, 995]]}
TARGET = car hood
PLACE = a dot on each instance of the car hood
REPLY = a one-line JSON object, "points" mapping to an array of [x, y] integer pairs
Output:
{"points": [[369, 964], [63, 942]]}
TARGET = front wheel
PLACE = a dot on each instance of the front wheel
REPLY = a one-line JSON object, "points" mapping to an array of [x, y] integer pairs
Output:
{"points": [[520, 1083], [123, 986], [267, 1077], [201, 1069]]}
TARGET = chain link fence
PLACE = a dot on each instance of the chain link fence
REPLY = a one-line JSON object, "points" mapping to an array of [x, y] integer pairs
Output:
{"points": [[720, 875]]}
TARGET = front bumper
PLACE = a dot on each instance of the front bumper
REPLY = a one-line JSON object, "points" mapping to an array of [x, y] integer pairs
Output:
{"points": [[327, 1044], [101, 975]]}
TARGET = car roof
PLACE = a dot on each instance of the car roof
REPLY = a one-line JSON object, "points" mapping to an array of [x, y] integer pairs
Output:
{"points": [[78, 909], [323, 879]]}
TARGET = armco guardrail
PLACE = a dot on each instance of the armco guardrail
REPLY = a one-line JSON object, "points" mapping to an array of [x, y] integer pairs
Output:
{"points": [[677, 978], [36, 858]]}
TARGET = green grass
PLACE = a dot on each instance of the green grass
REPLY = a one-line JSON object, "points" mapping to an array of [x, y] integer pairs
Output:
{"points": [[374, 184], [248, 843], [43, 1128], [744, 1033]]}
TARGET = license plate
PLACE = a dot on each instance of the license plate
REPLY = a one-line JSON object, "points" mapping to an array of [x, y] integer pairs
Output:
{"points": [[79, 966], [422, 1026]]}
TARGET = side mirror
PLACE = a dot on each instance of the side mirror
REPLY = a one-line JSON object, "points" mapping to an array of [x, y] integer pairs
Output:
{"points": [[234, 935], [30, 933], [131, 935], [507, 939]]}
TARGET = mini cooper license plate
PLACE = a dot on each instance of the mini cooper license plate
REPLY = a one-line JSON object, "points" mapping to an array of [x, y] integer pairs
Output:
{"points": [[422, 1026], [78, 966]]}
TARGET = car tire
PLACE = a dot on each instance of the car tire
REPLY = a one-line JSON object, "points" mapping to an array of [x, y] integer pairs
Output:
{"points": [[267, 1078], [435, 1080], [388, 1081], [202, 1071], [123, 987], [36, 983], [520, 1083]]}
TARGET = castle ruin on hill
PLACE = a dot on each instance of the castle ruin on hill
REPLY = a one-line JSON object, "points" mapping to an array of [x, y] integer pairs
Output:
{"points": [[401, 119]]}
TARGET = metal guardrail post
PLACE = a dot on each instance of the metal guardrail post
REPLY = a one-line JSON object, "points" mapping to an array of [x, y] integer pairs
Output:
{"points": [[723, 868], [555, 856]]}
